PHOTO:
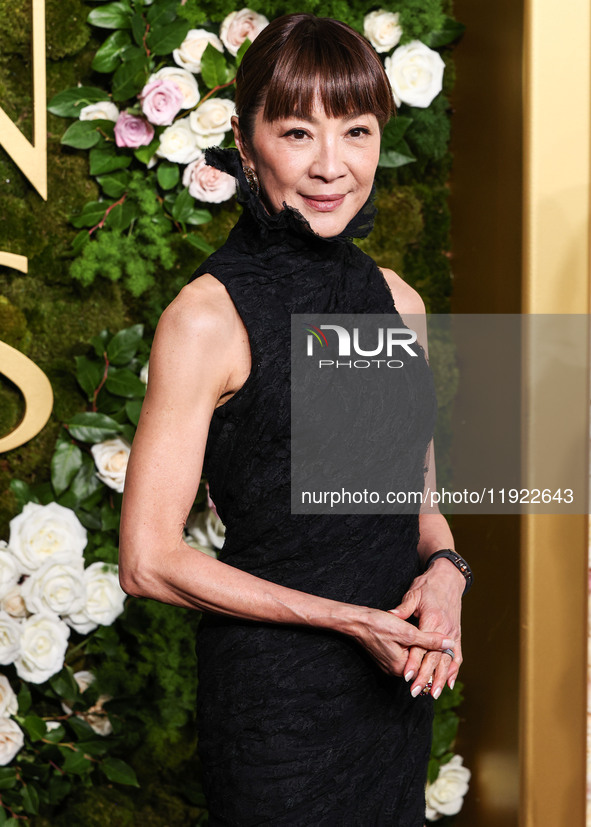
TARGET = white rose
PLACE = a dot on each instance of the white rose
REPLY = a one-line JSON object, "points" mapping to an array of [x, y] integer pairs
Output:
{"points": [[102, 111], [144, 373], [189, 54], [238, 26], [8, 700], [41, 532], [382, 29], [44, 640], [110, 458], [10, 638], [213, 116], [9, 570], [207, 529], [11, 740], [185, 82], [13, 603], [445, 796], [415, 73], [104, 599], [208, 184], [56, 587], [178, 143]]}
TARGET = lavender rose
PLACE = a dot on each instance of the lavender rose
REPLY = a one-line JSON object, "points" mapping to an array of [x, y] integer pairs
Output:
{"points": [[240, 25], [207, 183], [183, 79], [132, 131], [161, 101]]}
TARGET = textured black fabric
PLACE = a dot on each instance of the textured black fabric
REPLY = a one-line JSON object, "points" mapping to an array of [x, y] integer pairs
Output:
{"points": [[299, 726]]}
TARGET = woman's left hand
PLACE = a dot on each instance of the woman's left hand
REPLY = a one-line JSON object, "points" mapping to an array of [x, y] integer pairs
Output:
{"points": [[435, 598]]}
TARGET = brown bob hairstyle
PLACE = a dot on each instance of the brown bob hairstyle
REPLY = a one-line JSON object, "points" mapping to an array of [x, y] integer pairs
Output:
{"points": [[299, 56]]}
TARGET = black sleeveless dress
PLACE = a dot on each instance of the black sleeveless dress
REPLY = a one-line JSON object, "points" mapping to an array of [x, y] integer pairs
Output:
{"points": [[297, 726]]}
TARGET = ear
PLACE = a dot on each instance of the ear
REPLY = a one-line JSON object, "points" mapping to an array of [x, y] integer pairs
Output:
{"points": [[241, 143]]}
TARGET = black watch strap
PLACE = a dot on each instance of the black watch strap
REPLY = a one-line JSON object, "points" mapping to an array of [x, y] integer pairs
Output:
{"points": [[457, 560]]}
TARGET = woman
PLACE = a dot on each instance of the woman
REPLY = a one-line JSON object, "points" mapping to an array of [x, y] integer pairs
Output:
{"points": [[309, 671]]}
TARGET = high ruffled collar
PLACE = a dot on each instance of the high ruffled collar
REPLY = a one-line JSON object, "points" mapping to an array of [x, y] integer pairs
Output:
{"points": [[289, 218]]}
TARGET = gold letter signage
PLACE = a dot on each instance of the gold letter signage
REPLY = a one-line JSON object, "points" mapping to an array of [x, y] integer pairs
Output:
{"points": [[34, 386]]}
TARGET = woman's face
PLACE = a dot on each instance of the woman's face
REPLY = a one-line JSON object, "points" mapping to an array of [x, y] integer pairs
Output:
{"points": [[322, 166]]}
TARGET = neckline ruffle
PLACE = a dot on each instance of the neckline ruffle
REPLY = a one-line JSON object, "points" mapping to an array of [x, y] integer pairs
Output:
{"points": [[227, 159]]}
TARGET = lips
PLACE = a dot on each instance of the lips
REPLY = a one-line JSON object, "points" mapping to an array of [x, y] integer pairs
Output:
{"points": [[324, 203]]}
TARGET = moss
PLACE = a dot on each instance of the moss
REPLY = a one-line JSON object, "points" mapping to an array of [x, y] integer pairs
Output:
{"points": [[13, 325], [15, 27], [67, 30], [11, 407], [398, 224]]}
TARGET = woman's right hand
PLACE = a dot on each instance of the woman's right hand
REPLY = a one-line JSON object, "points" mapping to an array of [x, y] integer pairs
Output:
{"points": [[388, 639]]}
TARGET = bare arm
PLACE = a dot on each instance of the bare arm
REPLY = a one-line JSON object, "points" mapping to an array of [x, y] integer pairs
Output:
{"points": [[197, 358]]}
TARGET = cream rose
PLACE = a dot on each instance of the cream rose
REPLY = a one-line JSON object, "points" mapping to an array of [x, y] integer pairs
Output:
{"points": [[102, 111], [183, 80], [240, 25], [9, 570], [110, 458], [55, 587], [445, 796], [382, 29], [206, 529], [11, 740], [44, 640], [104, 599], [212, 117], [144, 372], [207, 183], [13, 603], [41, 532], [415, 73], [8, 700], [188, 55], [178, 143], [10, 638]]}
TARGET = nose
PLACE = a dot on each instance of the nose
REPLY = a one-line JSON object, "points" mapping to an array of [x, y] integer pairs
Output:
{"points": [[328, 162]]}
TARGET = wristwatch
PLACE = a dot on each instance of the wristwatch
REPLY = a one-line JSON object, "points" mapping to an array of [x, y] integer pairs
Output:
{"points": [[457, 560]]}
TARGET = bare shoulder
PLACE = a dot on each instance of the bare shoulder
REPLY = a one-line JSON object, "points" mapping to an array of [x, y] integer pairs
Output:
{"points": [[406, 298], [203, 308]]}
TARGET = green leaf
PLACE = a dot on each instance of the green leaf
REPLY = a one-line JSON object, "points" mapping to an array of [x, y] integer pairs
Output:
{"points": [[392, 159], [124, 344], [144, 154], [89, 374], [197, 217], [7, 778], [59, 787], [122, 216], [200, 243], [82, 729], [65, 464], [111, 16], [64, 685], [394, 132], [241, 51], [107, 160], [56, 735], [67, 104], [80, 239], [24, 699], [445, 728], [130, 77], [30, 799], [99, 343], [119, 772], [138, 28], [433, 770], [214, 69], [123, 382], [81, 135], [162, 40], [22, 493], [95, 747], [115, 184], [450, 31], [75, 761], [133, 409], [183, 205], [92, 427], [162, 12], [35, 727], [108, 56], [110, 518], [168, 175], [92, 213]]}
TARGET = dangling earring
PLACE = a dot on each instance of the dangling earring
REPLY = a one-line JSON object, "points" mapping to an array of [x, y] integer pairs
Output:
{"points": [[253, 180]]}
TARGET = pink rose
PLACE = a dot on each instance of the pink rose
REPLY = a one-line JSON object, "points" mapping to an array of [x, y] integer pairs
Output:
{"points": [[161, 101], [238, 26], [207, 183], [132, 131]]}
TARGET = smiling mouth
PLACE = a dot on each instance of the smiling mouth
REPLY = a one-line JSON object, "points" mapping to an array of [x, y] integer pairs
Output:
{"points": [[324, 203]]}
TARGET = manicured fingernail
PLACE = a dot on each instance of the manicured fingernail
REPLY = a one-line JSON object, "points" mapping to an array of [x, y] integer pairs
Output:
{"points": [[437, 692], [452, 683], [409, 676], [448, 643], [416, 691]]}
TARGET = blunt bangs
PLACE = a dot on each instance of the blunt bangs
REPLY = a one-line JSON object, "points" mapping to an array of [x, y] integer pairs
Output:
{"points": [[298, 60]]}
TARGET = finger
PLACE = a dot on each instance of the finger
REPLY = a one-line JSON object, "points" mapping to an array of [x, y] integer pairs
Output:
{"points": [[407, 606], [427, 671], [454, 669], [413, 664], [435, 641]]}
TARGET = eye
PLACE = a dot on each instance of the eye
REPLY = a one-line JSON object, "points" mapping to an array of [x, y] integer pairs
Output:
{"points": [[298, 134], [357, 131]]}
